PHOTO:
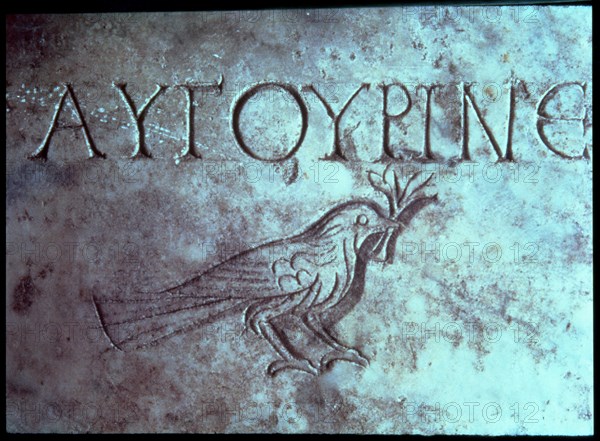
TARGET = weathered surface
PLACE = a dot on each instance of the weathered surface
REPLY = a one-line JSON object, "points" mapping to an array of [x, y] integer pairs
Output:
{"points": [[482, 323]]}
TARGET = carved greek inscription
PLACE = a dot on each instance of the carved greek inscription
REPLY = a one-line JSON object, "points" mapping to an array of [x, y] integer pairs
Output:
{"points": [[42, 150], [545, 118], [548, 112], [468, 98], [138, 117], [338, 153], [246, 96], [389, 118], [189, 91]]}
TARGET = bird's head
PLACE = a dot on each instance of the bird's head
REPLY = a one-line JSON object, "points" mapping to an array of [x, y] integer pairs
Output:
{"points": [[367, 227]]}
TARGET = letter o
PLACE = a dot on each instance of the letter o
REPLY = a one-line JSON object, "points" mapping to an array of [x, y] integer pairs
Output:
{"points": [[241, 102]]}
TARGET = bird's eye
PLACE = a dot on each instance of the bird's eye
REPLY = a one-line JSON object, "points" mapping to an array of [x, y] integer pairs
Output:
{"points": [[361, 219]]}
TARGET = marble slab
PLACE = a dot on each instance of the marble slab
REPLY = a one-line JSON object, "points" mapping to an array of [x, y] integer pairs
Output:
{"points": [[372, 220]]}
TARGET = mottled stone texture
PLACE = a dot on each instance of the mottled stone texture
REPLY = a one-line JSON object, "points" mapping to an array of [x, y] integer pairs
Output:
{"points": [[482, 324]]}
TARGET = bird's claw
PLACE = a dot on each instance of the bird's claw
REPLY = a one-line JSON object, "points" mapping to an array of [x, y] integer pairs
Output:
{"points": [[300, 365], [350, 355]]}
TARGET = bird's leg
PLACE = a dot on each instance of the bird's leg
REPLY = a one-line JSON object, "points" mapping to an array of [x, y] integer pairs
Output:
{"points": [[291, 360], [340, 351], [312, 321], [261, 320]]}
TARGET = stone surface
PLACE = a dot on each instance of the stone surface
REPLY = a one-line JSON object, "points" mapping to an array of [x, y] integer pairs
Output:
{"points": [[481, 324]]}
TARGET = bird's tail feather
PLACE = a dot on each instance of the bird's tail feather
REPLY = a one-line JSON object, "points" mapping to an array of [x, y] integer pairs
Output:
{"points": [[146, 320]]}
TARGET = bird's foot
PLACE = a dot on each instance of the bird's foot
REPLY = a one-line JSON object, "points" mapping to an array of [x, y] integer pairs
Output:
{"points": [[298, 364], [351, 355]]}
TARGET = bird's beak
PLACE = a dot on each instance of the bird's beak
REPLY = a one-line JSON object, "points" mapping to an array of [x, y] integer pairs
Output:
{"points": [[380, 253]]}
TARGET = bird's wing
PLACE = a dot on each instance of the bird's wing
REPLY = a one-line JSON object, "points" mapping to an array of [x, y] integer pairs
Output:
{"points": [[295, 273], [280, 269], [277, 270], [258, 276], [270, 270]]}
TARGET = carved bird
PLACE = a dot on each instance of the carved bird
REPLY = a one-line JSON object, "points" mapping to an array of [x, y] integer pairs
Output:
{"points": [[317, 276]]}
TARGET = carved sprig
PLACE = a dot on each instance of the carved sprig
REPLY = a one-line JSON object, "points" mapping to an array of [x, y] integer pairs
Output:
{"points": [[404, 203], [398, 197]]}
